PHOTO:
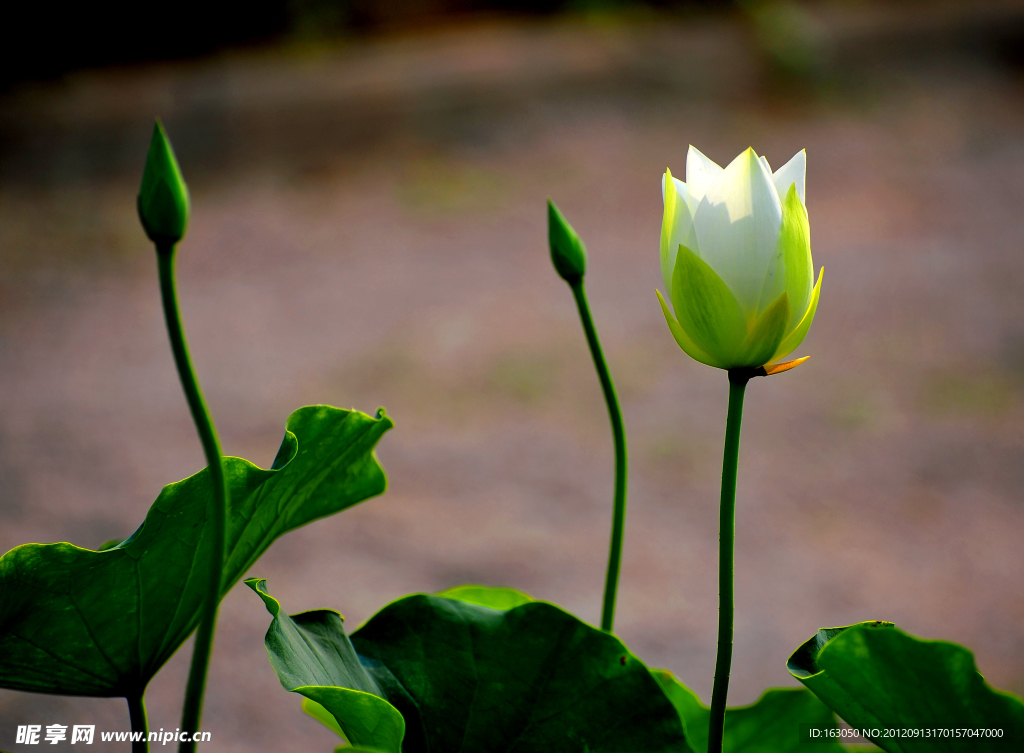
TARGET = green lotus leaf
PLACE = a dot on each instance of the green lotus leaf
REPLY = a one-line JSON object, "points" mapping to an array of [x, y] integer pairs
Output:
{"points": [[101, 623], [495, 597], [463, 676], [875, 676], [772, 724], [485, 596]]}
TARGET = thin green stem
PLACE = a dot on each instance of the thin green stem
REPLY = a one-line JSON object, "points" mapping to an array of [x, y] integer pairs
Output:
{"points": [[726, 559], [137, 714], [216, 515], [619, 435]]}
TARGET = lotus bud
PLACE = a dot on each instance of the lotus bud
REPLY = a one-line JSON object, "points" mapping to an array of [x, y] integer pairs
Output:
{"points": [[568, 253], [736, 262], [163, 196]]}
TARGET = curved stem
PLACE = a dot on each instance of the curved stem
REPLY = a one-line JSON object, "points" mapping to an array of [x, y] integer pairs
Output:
{"points": [[619, 436], [137, 714], [726, 560], [216, 515]]}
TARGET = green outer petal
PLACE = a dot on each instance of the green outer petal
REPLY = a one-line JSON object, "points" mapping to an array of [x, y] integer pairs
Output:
{"points": [[766, 335], [676, 225], [706, 308], [795, 248], [668, 221], [683, 340], [793, 340]]}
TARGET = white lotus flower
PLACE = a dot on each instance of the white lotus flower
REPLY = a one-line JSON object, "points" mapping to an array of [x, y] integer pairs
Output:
{"points": [[736, 260]]}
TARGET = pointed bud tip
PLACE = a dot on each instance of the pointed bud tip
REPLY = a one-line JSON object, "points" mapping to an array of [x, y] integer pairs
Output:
{"points": [[163, 201], [568, 253]]}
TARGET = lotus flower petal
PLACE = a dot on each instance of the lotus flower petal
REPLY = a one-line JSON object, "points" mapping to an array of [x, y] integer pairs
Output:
{"points": [[706, 308], [676, 226], [793, 340], [683, 340], [795, 250], [701, 174], [737, 226], [792, 173], [767, 334], [792, 270]]}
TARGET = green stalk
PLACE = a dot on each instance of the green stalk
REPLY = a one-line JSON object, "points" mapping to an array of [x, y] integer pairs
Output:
{"points": [[619, 435], [217, 516], [137, 714], [726, 558]]}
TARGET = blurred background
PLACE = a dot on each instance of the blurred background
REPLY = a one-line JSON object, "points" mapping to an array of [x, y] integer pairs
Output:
{"points": [[368, 182]]}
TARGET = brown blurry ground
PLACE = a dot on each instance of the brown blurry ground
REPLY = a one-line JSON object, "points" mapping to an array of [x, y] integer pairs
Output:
{"points": [[369, 229]]}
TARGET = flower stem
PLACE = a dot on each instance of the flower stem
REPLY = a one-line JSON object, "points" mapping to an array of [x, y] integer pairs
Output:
{"points": [[726, 558], [137, 714], [216, 515], [619, 435]]}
